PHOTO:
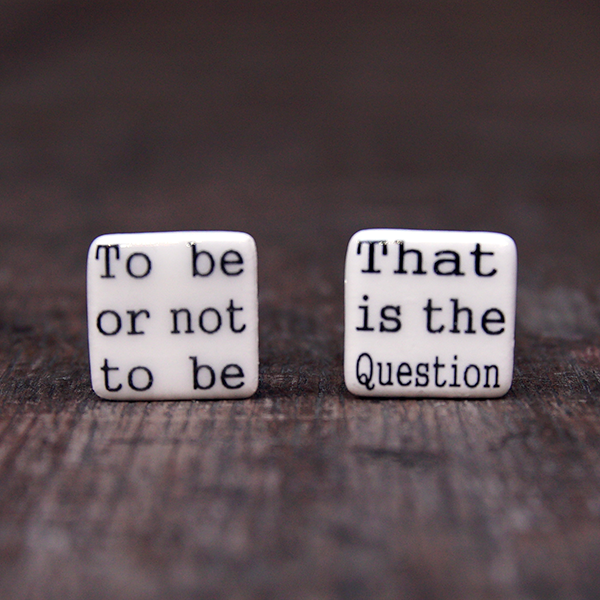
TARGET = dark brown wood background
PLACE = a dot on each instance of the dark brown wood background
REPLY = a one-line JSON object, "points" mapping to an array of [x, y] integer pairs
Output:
{"points": [[300, 123]]}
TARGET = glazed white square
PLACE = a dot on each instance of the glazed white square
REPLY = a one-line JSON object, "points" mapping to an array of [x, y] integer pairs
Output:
{"points": [[429, 313], [173, 315]]}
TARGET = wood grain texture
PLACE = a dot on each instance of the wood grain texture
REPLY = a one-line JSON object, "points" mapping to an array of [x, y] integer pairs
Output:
{"points": [[299, 123]]}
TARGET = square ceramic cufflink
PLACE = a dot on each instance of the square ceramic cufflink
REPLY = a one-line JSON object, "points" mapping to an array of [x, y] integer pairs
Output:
{"points": [[429, 313], [173, 315]]}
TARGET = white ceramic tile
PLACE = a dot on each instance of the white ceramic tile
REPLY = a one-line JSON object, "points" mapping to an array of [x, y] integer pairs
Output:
{"points": [[429, 313], [173, 315]]}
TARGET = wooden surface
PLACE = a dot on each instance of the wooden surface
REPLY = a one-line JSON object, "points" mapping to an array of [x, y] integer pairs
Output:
{"points": [[299, 123]]}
